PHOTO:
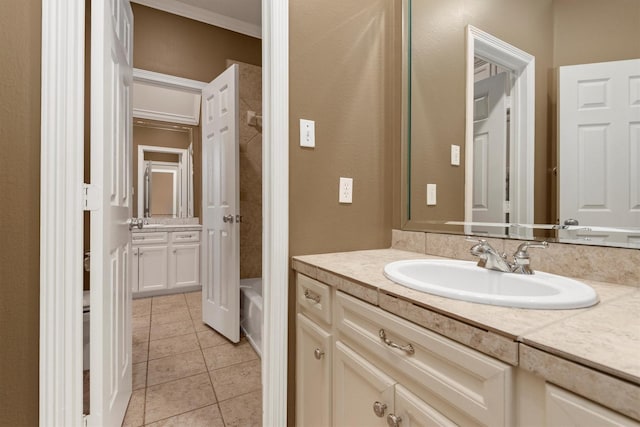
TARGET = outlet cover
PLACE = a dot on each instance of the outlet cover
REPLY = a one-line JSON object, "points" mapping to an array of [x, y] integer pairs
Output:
{"points": [[346, 190]]}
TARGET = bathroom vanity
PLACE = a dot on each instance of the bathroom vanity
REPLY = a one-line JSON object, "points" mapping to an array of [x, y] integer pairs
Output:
{"points": [[372, 352], [166, 259]]}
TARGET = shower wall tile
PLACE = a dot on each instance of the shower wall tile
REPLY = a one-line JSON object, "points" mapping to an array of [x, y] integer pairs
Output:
{"points": [[250, 139]]}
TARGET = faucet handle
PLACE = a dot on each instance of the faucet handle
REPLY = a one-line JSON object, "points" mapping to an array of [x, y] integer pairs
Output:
{"points": [[522, 251]]}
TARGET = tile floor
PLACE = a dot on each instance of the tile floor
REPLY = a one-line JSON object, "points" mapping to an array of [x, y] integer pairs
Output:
{"points": [[185, 374]]}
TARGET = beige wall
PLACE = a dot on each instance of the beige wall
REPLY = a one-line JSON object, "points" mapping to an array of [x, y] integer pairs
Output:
{"points": [[20, 213], [182, 47], [342, 76], [438, 93]]}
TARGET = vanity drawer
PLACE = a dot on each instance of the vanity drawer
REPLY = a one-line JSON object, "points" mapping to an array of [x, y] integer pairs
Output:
{"points": [[149, 237], [478, 386], [314, 298], [185, 236]]}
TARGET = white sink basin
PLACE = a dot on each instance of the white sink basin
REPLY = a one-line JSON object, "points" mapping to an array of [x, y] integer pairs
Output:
{"points": [[464, 280]]}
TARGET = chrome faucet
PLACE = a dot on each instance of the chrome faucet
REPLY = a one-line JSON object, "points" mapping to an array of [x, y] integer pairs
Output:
{"points": [[489, 257], [492, 260]]}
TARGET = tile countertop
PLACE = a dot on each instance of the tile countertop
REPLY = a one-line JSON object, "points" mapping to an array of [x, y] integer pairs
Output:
{"points": [[605, 337]]}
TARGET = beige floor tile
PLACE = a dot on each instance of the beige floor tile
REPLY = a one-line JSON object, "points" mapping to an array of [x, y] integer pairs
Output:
{"points": [[174, 367], [168, 299], [209, 416], [243, 411], [179, 315], [140, 335], [140, 322], [167, 330], [168, 305], [134, 417], [236, 380], [210, 338], [141, 307], [194, 299], [174, 345], [139, 375], [140, 352], [228, 354], [177, 397]]}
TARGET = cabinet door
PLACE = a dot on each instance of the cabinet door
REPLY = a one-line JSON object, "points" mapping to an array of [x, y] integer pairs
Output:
{"points": [[134, 269], [566, 409], [358, 387], [152, 268], [313, 370], [412, 411], [184, 265]]}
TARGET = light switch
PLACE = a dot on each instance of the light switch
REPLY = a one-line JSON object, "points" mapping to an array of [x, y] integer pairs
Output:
{"points": [[431, 194], [307, 133], [346, 190], [455, 155]]}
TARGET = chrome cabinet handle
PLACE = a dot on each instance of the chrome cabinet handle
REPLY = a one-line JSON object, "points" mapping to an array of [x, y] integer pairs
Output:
{"points": [[189, 236], [393, 420], [227, 218], [406, 348], [311, 296], [317, 353], [379, 408]]}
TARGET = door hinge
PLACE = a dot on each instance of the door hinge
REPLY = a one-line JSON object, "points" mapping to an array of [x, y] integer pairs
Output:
{"points": [[91, 197], [85, 420]]}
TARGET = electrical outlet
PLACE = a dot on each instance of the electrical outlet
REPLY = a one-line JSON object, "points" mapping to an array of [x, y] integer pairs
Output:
{"points": [[307, 133], [346, 190]]}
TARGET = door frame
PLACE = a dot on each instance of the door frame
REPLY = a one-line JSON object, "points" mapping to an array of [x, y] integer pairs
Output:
{"points": [[522, 64], [62, 200]]}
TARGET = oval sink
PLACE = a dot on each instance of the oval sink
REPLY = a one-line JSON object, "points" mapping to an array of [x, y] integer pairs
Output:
{"points": [[464, 280]]}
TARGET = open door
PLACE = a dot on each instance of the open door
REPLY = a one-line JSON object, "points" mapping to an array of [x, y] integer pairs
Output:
{"points": [[490, 158], [111, 121], [220, 205], [599, 149]]}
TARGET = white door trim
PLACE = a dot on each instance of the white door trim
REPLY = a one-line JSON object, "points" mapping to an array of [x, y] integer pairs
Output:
{"points": [[522, 156], [62, 145], [275, 209], [61, 215]]}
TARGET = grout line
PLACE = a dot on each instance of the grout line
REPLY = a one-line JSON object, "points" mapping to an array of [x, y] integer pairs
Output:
{"points": [[181, 413]]}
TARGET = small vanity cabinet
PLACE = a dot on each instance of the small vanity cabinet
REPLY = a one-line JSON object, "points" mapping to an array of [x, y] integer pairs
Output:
{"points": [[360, 365], [165, 261]]}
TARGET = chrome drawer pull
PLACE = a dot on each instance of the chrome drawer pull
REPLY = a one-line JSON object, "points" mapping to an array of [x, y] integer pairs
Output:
{"points": [[311, 296], [406, 348], [379, 408], [317, 353], [393, 420], [186, 237]]}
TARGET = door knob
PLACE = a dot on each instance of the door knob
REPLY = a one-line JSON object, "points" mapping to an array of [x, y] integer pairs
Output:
{"points": [[571, 221], [227, 218]]}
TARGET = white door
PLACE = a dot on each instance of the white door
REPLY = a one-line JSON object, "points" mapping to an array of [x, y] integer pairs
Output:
{"points": [[490, 153], [220, 205], [111, 121], [599, 146]]}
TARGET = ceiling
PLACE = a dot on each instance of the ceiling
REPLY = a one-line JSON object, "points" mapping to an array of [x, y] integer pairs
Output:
{"points": [[242, 16]]}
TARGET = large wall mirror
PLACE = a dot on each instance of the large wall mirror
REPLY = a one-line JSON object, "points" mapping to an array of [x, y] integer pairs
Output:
{"points": [[567, 165]]}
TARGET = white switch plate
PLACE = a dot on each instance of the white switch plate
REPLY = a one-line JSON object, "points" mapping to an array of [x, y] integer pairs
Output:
{"points": [[431, 194], [307, 133], [346, 190], [455, 155]]}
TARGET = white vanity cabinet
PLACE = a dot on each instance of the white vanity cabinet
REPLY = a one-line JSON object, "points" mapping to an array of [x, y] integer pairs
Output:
{"points": [[314, 355], [387, 371], [164, 261]]}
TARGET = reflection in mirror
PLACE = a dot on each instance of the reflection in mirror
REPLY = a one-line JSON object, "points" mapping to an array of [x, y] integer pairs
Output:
{"points": [[557, 33], [164, 168]]}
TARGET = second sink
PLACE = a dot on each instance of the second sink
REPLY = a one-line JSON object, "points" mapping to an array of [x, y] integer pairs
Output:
{"points": [[464, 280]]}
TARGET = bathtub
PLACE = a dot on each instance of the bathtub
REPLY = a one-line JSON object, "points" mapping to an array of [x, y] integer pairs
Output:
{"points": [[251, 312]]}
